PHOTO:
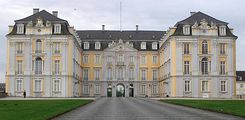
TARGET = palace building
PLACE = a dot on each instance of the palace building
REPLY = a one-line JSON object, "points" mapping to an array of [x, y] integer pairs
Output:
{"points": [[46, 57]]}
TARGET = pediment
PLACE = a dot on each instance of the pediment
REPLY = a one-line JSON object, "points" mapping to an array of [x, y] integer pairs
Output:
{"points": [[120, 46]]}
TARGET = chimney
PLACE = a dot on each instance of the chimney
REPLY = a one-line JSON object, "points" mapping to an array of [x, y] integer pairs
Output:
{"points": [[137, 27], [103, 27], [192, 13], [35, 10], [55, 13]]}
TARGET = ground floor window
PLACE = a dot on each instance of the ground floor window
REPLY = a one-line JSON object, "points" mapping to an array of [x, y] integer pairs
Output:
{"points": [[223, 86], [38, 85], [85, 89], [97, 89], [154, 89], [187, 87], [204, 86], [56, 85], [143, 91], [19, 85]]}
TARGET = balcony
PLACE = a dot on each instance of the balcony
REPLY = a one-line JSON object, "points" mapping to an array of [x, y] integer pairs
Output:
{"points": [[120, 63]]}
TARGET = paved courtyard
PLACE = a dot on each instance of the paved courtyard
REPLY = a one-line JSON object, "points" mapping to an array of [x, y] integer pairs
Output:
{"points": [[139, 109]]}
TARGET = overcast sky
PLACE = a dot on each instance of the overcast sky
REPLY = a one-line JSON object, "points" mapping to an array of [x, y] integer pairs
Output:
{"points": [[148, 14]]}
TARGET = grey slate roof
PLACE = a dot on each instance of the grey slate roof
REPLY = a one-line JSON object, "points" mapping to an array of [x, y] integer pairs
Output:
{"points": [[197, 17], [240, 75], [44, 15], [107, 36]]}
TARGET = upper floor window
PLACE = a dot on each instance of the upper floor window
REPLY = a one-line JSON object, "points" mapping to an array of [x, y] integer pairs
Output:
{"points": [[85, 74], [131, 59], [143, 74], [97, 45], [222, 67], [19, 46], [109, 59], [109, 74], [56, 48], [154, 59], [154, 45], [143, 59], [97, 74], [86, 45], [186, 67], [57, 28], [131, 74], [120, 58], [222, 30], [120, 74], [222, 48], [204, 65], [154, 74], [85, 59], [38, 66], [143, 45], [186, 29], [97, 59], [38, 46], [20, 28], [56, 66], [19, 66], [186, 48], [204, 47]]}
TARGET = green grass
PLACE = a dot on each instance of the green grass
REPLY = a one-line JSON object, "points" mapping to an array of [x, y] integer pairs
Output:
{"points": [[36, 109], [234, 107]]}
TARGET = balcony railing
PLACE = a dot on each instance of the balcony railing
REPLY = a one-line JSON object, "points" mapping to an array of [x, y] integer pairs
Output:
{"points": [[57, 52], [19, 51], [38, 51], [120, 63], [38, 72]]}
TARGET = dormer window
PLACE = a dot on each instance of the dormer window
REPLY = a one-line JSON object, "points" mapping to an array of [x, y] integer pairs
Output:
{"points": [[222, 30], [97, 45], [143, 45], [186, 29], [20, 28], [57, 28], [154, 45], [86, 45]]}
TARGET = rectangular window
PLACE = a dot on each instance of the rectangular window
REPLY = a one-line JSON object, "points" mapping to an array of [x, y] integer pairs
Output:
{"points": [[19, 67], [143, 74], [204, 86], [131, 59], [109, 74], [154, 74], [223, 86], [97, 89], [222, 30], [57, 67], [38, 86], [143, 59], [154, 89], [85, 59], [186, 29], [56, 87], [131, 74], [222, 67], [56, 48], [20, 28], [143, 45], [86, 45], [186, 48], [222, 48], [186, 67], [143, 91], [109, 59], [19, 47], [241, 85], [85, 74], [19, 85], [187, 86], [154, 45], [85, 89], [97, 74], [57, 28], [97, 59], [120, 58], [97, 45], [120, 74], [154, 59]]}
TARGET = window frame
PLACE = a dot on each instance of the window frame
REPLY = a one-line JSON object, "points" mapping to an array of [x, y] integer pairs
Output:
{"points": [[143, 45]]}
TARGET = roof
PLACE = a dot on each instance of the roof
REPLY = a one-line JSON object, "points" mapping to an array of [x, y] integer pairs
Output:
{"points": [[197, 17], [117, 34], [240, 75], [107, 36], [44, 15]]}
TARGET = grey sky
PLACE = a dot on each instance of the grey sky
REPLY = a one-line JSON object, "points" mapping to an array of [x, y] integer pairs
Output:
{"points": [[148, 14]]}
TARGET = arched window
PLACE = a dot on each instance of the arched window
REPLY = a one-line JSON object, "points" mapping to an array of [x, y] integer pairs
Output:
{"points": [[38, 66], [204, 47], [38, 46], [204, 65]]}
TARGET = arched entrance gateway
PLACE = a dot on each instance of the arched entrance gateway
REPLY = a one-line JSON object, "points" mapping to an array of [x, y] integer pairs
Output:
{"points": [[120, 90]]}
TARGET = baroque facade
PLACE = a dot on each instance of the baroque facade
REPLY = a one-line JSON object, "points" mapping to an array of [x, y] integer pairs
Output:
{"points": [[46, 57]]}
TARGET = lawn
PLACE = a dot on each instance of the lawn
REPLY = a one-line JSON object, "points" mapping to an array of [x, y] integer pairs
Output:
{"points": [[36, 109], [234, 107]]}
